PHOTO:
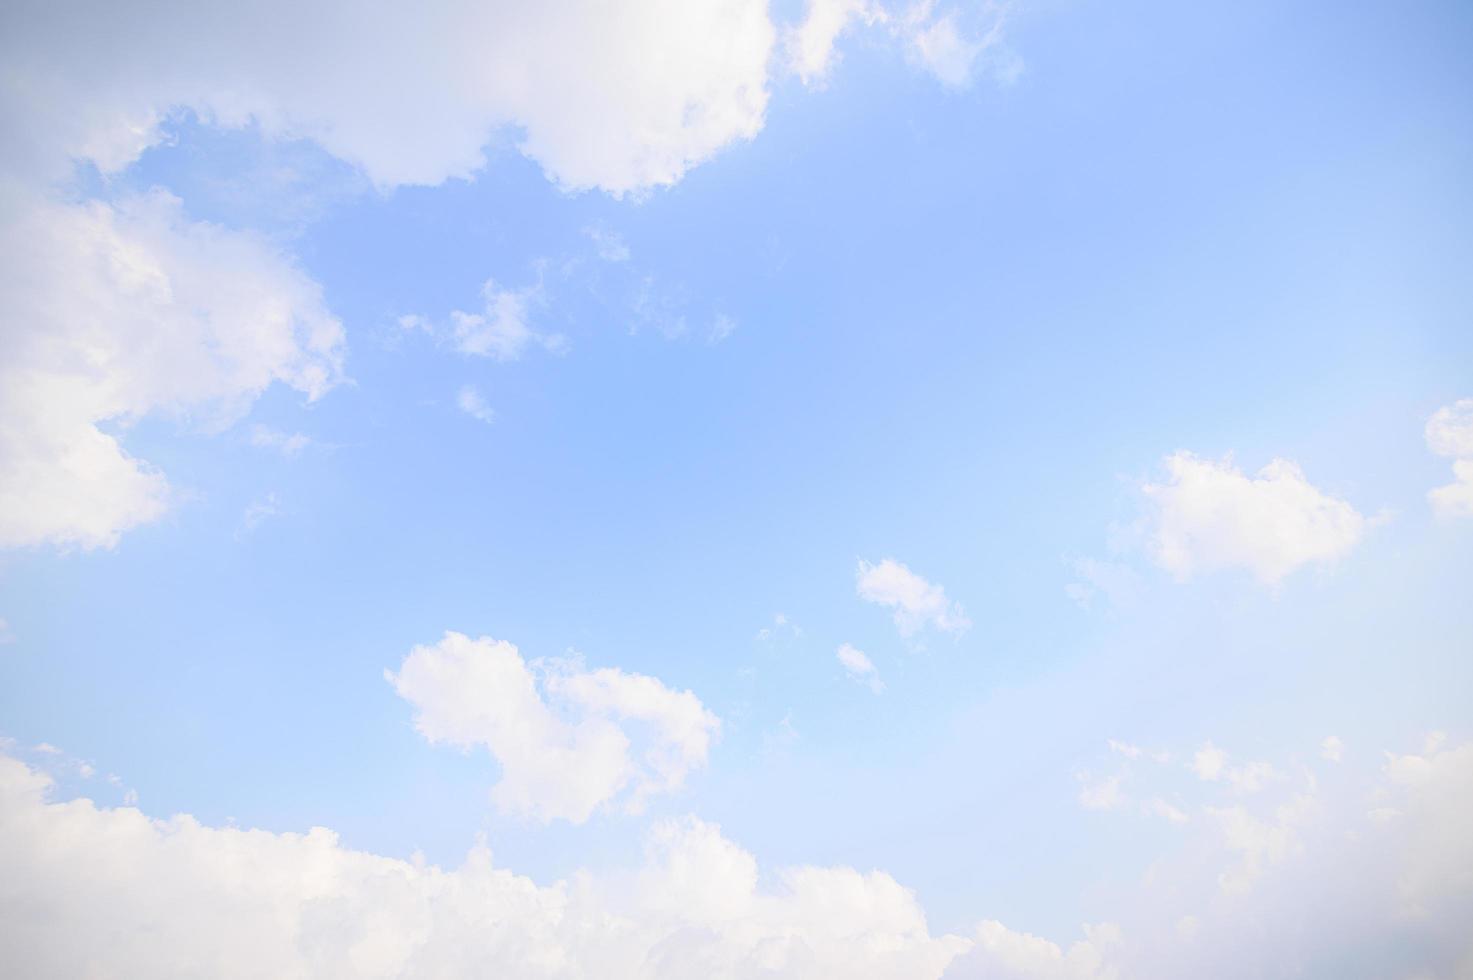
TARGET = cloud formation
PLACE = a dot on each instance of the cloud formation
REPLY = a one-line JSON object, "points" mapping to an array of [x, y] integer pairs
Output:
{"points": [[559, 732], [917, 603], [859, 667], [1450, 433], [92, 891], [119, 311], [1209, 515]]}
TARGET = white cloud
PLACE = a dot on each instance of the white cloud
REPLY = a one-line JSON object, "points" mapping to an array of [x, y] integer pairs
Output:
{"points": [[561, 743], [7, 635], [1210, 515], [288, 444], [1210, 764], [1001, 953], [1332, 748], [117, 310], [91, 889], [1450, 433], [500, 331], [917, 603], [809, 45], [616, 96], [473, 403], [1450, 430], [125, 310], [721, 328], [859, 667]]}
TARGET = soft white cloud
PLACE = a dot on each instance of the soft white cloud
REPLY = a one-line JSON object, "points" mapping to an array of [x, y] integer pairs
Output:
{"points": [[1001, 953], [1210, 515], [619, 96], [809, 45], [610, 245], [1316, 877], [859, 666], [1450, 430], [917, 603], [500, 331], [92, 891], [117, 310], [286, 443], [7, 635], [124, 310], [1210, 764], [1450, 433], [1332, 748], [559, 738], [721, 328], [258, 512], [470, 401]]}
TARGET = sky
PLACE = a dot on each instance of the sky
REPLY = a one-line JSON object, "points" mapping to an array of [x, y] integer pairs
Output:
{"points": [[709, 488]]}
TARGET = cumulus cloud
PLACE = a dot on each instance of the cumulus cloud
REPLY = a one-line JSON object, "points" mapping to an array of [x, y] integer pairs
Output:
{"points": [[859, 667], [917, 603], [124, 308], [90, 890], [1208, 515], [562, 739], [119, 311], [1450, 433], [620, 96], [1313, 877]]}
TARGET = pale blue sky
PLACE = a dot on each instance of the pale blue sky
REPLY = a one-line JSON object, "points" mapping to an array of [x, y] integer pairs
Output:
{"points": [[962, 327]]}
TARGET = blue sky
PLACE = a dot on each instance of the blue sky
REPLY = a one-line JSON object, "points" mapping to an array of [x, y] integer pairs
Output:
{"points": [[1134, 338]]}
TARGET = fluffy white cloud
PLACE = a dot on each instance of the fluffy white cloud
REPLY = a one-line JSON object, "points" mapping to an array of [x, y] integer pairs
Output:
{"points": [[92, 891], [118, 311], [860, 667], [809, 45], [1450, 433], [470, 401], [1209, 515], [917, 603], [620, 96], [1450, 430], [559, 738], [1315, 878]]}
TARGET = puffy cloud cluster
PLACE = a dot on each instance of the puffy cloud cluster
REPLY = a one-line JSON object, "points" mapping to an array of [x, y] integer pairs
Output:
{"points": [[1450, 433], [92, 891], [1209, 515], [561, 734], [116, 309], [1368, 875], [917, 603]]}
